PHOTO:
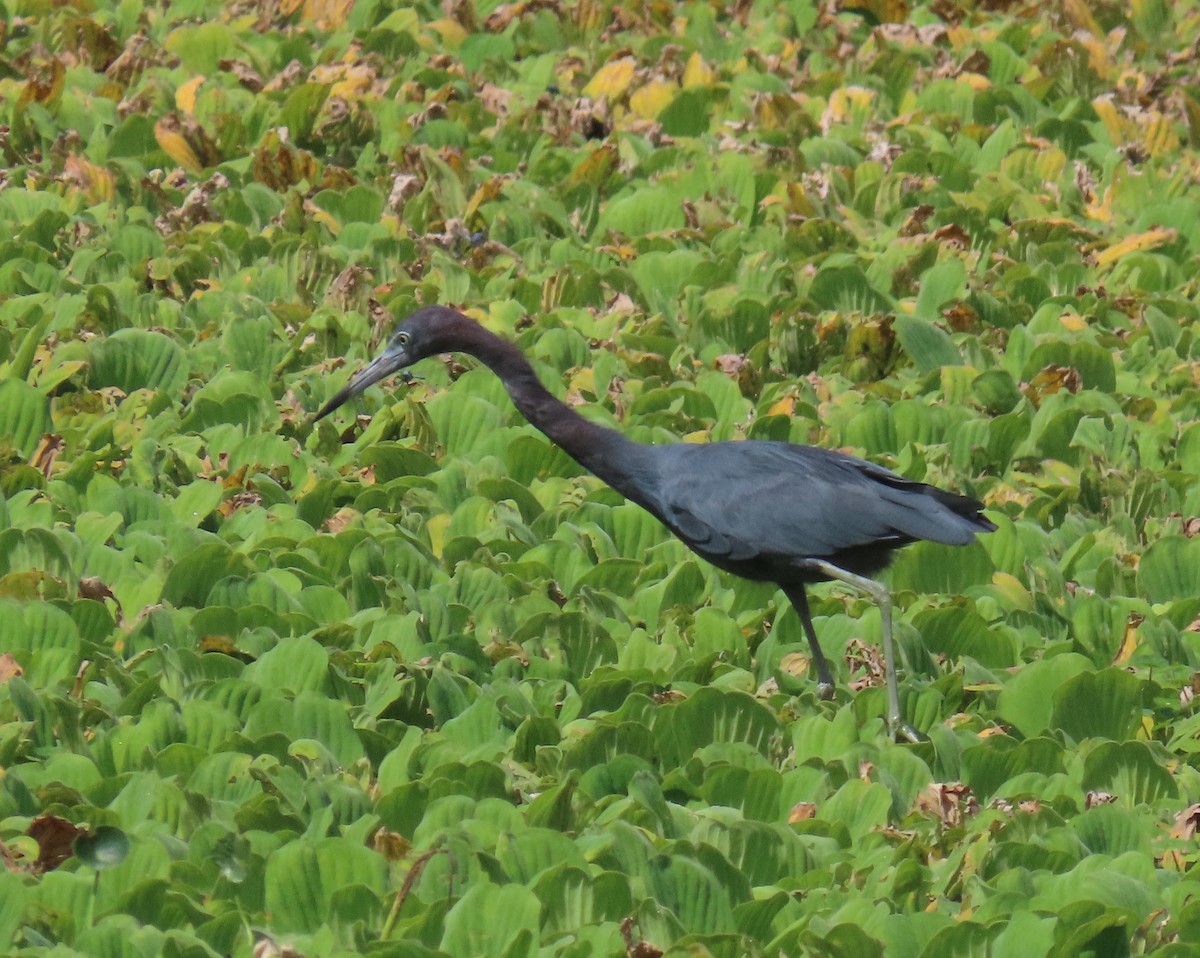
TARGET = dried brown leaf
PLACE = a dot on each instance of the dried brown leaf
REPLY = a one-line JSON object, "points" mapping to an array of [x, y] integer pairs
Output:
{"points": [[1187, 823], [54, 837], [391, 845], [951, 802], [1050, 380], [49, 448], [10, 668], [802, 812], [246, 75]]}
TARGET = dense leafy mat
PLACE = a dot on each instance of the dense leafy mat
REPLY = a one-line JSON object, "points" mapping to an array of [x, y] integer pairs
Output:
{"points": [[409, 683]]}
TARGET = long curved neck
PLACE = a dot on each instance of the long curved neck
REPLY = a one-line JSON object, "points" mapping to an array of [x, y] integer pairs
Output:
{"points": [[602, 451]]}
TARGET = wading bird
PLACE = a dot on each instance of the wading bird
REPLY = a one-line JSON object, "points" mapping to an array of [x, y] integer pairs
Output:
{"points": [[766, 511]]}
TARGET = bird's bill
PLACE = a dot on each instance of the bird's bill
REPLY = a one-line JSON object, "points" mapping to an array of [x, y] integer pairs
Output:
{"points": [[379, 368]]}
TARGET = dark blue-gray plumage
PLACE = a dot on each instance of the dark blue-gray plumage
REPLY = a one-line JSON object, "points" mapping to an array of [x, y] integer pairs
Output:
{"points": [[767, 511]]}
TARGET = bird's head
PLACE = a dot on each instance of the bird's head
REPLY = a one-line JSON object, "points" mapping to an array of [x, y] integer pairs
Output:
{"points": [[428, 331]]}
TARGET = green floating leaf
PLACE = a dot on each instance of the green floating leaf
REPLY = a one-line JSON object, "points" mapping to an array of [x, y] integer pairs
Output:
{"points": [[650, 209], [192, 578], [936, 569], [493, 922], [1105, 704], [12, 904], [689, 114], [957, 632], [964, 938], [996, 390], [995, 760], [1027, 701], [847, 289], [525, 855], [306, 883], [1130, 771], [1170, 570], [692, 893], [231, 397], [861, 806], [24, 416], [572, 899], [939, 284], [132, 359], [1108, 828], [301, 108], [1089, 928], [713, 715], [103, 848], [756, 792], [928, 346], [293, 888]]}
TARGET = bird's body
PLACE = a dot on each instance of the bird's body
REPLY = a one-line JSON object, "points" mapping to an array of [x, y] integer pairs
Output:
{"points": [[753, 508], [766, 511]]}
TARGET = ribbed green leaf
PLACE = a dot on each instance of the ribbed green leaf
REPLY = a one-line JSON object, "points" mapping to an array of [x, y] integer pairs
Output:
{"points": [[138, 359], [24, 416]]}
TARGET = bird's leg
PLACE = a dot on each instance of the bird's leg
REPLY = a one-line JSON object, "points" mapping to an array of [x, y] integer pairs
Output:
{"points": [[883, 598], [799, 599]]}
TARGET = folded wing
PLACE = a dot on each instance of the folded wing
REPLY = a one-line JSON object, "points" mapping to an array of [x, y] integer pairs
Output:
{"points": [[740, 501]]}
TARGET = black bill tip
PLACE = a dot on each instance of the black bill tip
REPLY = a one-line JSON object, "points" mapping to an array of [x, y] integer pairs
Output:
{"points": [[352, 389]]}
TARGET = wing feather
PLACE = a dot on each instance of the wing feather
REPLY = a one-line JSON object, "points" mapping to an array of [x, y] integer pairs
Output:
{"points": [[739, 501]]}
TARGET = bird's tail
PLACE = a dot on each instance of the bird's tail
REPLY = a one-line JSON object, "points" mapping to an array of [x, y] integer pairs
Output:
{"points": [[955, 523]]}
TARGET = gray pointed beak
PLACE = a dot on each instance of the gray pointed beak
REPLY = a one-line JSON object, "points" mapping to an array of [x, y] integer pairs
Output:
{"points": [[380, 367]]}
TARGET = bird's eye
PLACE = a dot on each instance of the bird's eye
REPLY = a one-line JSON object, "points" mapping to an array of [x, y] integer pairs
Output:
{"points": [[402, 338]]}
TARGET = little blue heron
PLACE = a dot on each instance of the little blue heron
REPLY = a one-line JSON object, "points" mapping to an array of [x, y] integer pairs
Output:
{"points": [[765, 511]]}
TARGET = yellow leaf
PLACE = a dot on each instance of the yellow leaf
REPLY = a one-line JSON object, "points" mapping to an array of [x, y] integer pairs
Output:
{"points": [[784, 407], [961, 36], [583, 380], [1129, 640], [327, 220], [1098, 56], [1121, 130], [697, 72], [436, 526], [176, 146], [1137, 243], [358, 80], [45, 85], [595, 169], [185, 96], [612, 80], [884, 11], [325, 14], [1081, 17], [794, 663], [1101, 209], [488, 191], [848, 100], [95, 182], [976, 81], [1159, 135], [1073, 322], [451, 32], [652, 99]]}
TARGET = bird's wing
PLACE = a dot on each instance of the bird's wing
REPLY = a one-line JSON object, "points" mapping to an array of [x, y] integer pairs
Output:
{"points": [[743, 500]]}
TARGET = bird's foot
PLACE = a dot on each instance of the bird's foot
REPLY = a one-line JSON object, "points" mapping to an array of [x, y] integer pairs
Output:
{"points": [[903, 731]]}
